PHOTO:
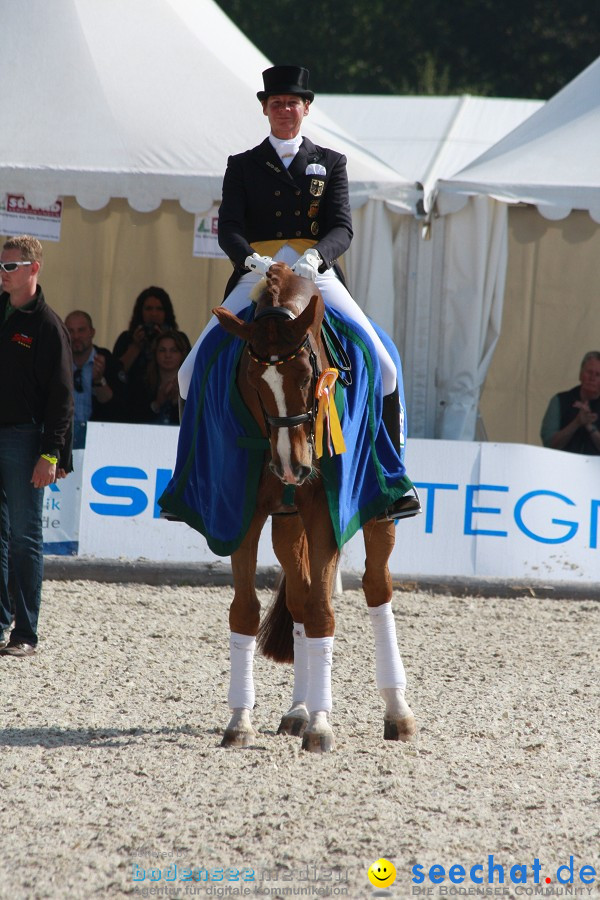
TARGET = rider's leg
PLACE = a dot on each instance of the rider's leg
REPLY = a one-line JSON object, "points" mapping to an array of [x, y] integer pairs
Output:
{"points": [[336, 295], [237, 300]]}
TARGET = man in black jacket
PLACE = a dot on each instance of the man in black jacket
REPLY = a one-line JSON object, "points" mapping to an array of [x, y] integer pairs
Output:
{"points": [[36, 411], [98, 377]]}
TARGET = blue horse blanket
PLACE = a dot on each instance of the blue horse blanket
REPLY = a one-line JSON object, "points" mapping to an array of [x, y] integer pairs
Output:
{"points": [[221, 451]]}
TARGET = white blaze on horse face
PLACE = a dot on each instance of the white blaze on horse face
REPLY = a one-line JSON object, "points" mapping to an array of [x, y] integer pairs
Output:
{"points": [[284, 448]]}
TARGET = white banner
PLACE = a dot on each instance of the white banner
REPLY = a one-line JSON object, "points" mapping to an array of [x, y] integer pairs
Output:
{"points": [[18, 217], [62, 508], [205, 235], [490, 510]]}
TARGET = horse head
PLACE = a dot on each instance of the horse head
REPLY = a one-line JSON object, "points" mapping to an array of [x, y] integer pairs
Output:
{"points": [[282, 364]]}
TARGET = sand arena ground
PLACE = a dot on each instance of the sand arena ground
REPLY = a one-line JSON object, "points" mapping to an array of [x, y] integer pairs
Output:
{"points": [[111, 764]]}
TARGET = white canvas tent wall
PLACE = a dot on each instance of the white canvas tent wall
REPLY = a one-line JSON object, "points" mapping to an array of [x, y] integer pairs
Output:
{"points": [[448, 289], [129, 109], [551, 162]]}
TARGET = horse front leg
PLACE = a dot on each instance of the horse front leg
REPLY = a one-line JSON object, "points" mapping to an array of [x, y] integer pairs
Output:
{"points": [[244, 617], [319, 624], [398, 721]]}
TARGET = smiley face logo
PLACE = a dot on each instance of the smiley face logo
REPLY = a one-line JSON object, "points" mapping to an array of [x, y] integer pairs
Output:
{"points": [[382, 873]]}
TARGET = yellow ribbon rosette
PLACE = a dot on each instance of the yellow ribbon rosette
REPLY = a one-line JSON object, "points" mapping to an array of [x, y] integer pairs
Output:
{"points": [[327, 414]]}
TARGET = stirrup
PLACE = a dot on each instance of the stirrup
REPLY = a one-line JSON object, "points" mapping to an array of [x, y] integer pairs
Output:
{"points": [[169, 516], [403, 508]]}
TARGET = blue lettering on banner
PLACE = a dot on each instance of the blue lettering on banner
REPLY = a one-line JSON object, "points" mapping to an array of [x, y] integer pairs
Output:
{"points": [[103, 480], [571, 526], [163, 477], [594, 524], [431, 488], [100, 483], [491, 510]]}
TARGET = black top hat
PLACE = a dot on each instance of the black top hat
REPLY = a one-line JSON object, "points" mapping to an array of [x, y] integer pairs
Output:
{"points": [[286, 80]]}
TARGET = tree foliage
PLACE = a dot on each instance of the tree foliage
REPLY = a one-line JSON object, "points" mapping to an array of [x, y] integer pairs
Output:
{"points": [[501, 48]]}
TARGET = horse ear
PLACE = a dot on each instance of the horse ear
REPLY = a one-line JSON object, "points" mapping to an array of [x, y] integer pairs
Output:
{"points": [[232, 325], [309, 319]]}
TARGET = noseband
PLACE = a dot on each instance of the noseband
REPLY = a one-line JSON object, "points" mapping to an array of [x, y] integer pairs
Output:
{"points": [[281, 312]]}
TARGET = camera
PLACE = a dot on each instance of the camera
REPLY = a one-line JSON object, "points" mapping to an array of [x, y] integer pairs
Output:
{"points": [[150, 331]]}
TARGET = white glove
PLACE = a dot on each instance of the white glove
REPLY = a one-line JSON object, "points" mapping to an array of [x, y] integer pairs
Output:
{"points": [[308, 264], [260, 264]]}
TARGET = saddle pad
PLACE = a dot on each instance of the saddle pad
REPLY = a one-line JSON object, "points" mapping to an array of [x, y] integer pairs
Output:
{"points": [[221, 451]]}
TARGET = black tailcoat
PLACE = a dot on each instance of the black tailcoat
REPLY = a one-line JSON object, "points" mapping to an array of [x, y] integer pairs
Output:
{"points": [[264, 201]]}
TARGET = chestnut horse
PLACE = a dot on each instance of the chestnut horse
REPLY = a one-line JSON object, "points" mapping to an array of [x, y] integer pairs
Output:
{"points": [[277, 380]]}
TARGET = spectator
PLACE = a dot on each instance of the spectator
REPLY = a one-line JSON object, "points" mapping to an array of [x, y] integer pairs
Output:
{"points": [[36, 412], [156, 399], [98, 378], [152, 313], [571, 420]]}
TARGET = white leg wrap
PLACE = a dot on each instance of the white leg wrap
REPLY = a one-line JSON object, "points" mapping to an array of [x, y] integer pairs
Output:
{"points": [[389, 671], [320, 653], [300, 665], [241, 683]]}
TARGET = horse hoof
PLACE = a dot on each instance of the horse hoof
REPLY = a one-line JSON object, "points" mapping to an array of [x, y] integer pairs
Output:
{"points": [[293, 725], [318, 742], [399, 729], [238, 739]]}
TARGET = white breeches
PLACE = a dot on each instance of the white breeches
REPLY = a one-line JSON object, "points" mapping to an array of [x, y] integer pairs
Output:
{"points": [[335, 295]]}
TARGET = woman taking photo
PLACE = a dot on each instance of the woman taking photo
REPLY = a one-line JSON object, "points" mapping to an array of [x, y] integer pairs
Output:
{"points": [[155, 400]]}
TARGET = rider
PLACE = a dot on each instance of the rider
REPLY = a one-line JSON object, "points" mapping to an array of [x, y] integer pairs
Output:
{"points": [[287, 200]]}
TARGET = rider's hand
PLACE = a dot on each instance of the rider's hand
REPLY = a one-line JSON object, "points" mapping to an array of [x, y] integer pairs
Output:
{"points": [[308, 264], [260, 264]]}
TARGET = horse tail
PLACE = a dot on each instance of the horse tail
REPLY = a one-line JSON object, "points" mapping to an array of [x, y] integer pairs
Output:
{"points": [[275, 638]]}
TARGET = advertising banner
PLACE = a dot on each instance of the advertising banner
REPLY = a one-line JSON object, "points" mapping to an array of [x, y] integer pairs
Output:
{"points": [[205, 235], [489, 510], [62, 509], [18, 217]]}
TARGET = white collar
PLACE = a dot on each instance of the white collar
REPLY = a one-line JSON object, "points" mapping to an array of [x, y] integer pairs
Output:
{"points": [[286, 148]]}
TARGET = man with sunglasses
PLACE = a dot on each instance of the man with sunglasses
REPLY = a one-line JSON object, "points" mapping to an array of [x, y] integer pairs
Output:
{"points": [[36, 411]]}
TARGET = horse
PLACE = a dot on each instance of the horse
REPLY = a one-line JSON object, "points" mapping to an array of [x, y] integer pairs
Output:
{"points": [[277, 378]]}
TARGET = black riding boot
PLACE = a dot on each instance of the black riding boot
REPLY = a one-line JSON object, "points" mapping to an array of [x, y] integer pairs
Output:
{"points": [[406, 506]]}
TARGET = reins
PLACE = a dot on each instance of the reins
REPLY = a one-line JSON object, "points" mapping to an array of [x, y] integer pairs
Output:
{"points": [[281, 312]]}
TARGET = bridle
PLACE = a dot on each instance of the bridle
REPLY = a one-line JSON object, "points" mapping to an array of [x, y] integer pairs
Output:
{"points": [[281, 312]]}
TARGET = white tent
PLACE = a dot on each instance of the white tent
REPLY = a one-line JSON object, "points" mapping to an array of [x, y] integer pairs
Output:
{"points": [[448, 289], [550, 162], [128, 109], [427, 138], [141, 99]]}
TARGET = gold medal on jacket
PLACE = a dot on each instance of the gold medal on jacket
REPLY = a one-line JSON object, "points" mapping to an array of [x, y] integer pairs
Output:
{"points": [[313, 209]]}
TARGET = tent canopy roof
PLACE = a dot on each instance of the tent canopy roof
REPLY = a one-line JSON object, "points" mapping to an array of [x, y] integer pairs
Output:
{"points": [[427, 138], [142, 99], [551, 160]]}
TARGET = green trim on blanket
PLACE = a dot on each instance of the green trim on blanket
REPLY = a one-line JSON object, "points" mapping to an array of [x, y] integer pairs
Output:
{"points": [[254, 441], [329, 471]]}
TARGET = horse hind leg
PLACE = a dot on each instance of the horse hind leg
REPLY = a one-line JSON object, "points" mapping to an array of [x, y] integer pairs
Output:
{"points": [[295, 720], [398, 721], [289, 544]]}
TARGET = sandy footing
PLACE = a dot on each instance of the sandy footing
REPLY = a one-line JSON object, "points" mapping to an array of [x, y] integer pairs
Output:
{"points": [[112, 773]]}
